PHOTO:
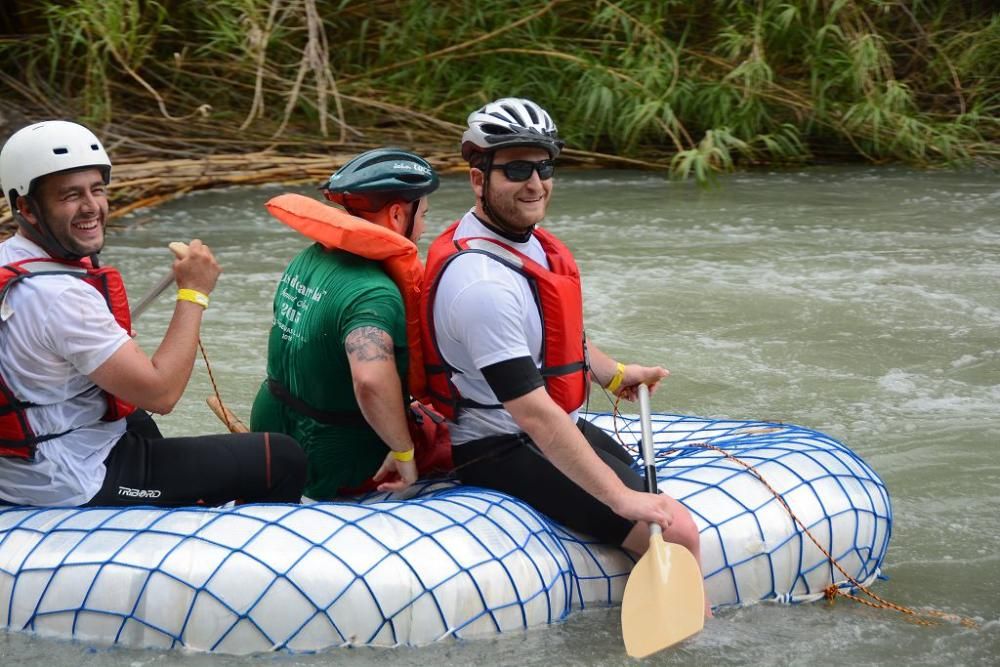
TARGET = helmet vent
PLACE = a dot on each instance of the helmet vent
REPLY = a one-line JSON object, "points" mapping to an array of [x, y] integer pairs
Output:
{"points": [[509, 122], [515, 115], [368, 163], [490, 128], [60, 151]]}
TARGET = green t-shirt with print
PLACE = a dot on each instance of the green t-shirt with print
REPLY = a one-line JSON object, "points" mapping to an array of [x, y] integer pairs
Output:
{"points": [[322, 296]]}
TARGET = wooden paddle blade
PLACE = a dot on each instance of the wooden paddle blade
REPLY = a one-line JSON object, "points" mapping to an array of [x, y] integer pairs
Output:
{"points": [[664, 599], [226, 416]]}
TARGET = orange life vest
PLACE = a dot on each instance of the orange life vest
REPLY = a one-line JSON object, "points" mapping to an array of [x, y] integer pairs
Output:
{"points": [[336, 229], [17, 438], [560, 303]]}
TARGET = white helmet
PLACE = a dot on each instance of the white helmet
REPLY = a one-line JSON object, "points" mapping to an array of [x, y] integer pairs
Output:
{"points": [[46, 148], [509, 122]]}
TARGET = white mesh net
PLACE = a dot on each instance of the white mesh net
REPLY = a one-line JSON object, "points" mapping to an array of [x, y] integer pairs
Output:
{"points": [[446, 560]]}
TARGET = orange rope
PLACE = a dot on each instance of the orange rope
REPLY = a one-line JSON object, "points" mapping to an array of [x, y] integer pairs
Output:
{"points": [[218, 396], [832, 591]]}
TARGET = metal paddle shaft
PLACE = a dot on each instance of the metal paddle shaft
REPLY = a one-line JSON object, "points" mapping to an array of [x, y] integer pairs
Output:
{"points": [[664, 599], [648, 455], [180, 250]]}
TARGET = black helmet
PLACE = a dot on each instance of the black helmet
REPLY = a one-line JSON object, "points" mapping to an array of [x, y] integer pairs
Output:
{"points": [[379, 177], [506, 123]]}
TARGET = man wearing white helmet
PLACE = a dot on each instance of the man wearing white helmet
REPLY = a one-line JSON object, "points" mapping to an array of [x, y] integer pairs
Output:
{"points": [[74, 386], [507, 359]]}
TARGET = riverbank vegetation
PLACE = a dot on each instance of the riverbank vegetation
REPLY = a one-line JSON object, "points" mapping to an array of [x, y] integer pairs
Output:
{"points": [[686, 86]]}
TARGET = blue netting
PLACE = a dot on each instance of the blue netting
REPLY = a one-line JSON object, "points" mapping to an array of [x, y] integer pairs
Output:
{"points": [[446, 560]]}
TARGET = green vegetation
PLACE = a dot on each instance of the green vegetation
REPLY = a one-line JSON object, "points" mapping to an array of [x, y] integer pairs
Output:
{"points": [[698, 86]]}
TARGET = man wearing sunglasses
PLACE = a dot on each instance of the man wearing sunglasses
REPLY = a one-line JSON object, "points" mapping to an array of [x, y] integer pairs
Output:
{"points": [[507, 360]]}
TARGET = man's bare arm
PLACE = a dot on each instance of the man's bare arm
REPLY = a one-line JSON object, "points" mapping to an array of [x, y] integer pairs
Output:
{"points": [[156, 383], [563, 444], [379, 392]]}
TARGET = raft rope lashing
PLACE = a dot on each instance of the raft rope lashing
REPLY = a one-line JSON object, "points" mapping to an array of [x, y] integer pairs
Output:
{"points": [[832, 591], [923, 617], [450, 560], [539, 580]]}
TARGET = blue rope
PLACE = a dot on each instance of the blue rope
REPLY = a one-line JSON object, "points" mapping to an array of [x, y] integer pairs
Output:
{"points": [[516, 568]]}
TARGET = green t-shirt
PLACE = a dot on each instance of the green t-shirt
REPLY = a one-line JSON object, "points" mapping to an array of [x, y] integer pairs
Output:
{"points": [[323, 296]]}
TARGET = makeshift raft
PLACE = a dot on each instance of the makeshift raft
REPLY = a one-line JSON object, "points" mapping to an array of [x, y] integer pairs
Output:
{"points": [[448, 560]]}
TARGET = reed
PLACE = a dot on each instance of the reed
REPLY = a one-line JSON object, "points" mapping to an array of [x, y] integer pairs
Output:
{"points": [[693, 87]]}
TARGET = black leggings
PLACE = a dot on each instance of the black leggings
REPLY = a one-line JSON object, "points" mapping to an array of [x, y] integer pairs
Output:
{"points": [[514, 464], [144, 468]]}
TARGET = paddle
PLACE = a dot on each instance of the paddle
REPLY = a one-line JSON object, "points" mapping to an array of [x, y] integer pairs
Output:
{"points": [[180, 250], [226, 416], [223, 413], [664, 598]]}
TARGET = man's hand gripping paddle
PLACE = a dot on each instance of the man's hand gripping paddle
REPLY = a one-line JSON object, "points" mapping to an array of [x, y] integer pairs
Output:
{"points": [[664, 598], [180, 250]]}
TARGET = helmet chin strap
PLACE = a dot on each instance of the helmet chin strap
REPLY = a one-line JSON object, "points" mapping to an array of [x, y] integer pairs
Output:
{"points": [[413, 220], [41, 235], [496, 222]]}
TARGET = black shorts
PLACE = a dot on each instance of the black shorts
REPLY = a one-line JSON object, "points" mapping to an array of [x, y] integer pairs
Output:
{"points": [[513, 464], [145, 468]]}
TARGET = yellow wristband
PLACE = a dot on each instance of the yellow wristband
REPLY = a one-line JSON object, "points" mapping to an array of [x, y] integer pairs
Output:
{"points": [[616, 381], [403, 457], [194, 296]]}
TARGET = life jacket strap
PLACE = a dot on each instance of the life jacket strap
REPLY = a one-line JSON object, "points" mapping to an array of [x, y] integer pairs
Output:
{"points": [[328, 417], [565, 369], [457, 401]]}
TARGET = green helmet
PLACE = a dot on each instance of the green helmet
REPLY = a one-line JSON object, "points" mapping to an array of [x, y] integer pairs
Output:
{"points": [[379, 177]]}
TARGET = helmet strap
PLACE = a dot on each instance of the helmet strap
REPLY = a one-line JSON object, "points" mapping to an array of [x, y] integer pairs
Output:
{"points": [[413, 219], [496, 222], [42, 236]]}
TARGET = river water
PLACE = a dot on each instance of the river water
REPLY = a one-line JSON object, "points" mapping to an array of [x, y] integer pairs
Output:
{"points": [[861, 302]]}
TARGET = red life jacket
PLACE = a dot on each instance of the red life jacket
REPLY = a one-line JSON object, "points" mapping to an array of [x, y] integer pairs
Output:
{"points": [[336, 229], [17, 438], [560, 302]]}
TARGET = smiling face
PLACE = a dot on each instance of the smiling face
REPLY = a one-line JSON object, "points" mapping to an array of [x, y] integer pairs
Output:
{"points": [[519, 205], [74, 207]]}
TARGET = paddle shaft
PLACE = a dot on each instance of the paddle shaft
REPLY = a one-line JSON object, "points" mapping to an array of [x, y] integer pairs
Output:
{"points": [[180, 250], [145, 302], [648, 457]]}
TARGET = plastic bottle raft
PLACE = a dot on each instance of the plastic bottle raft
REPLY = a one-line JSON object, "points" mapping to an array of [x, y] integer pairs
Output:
{"points": [[446, 560]]}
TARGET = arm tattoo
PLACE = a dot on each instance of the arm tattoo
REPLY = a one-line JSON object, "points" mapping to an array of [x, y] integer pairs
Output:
{"points": [[369, 344]]}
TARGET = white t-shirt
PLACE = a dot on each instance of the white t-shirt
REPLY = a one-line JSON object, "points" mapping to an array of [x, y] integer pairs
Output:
{"points": [[55, 331], [485, 313]]}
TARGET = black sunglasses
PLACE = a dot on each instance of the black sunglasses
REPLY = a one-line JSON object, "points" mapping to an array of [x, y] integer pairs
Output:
{"points": [[519, 171]]}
